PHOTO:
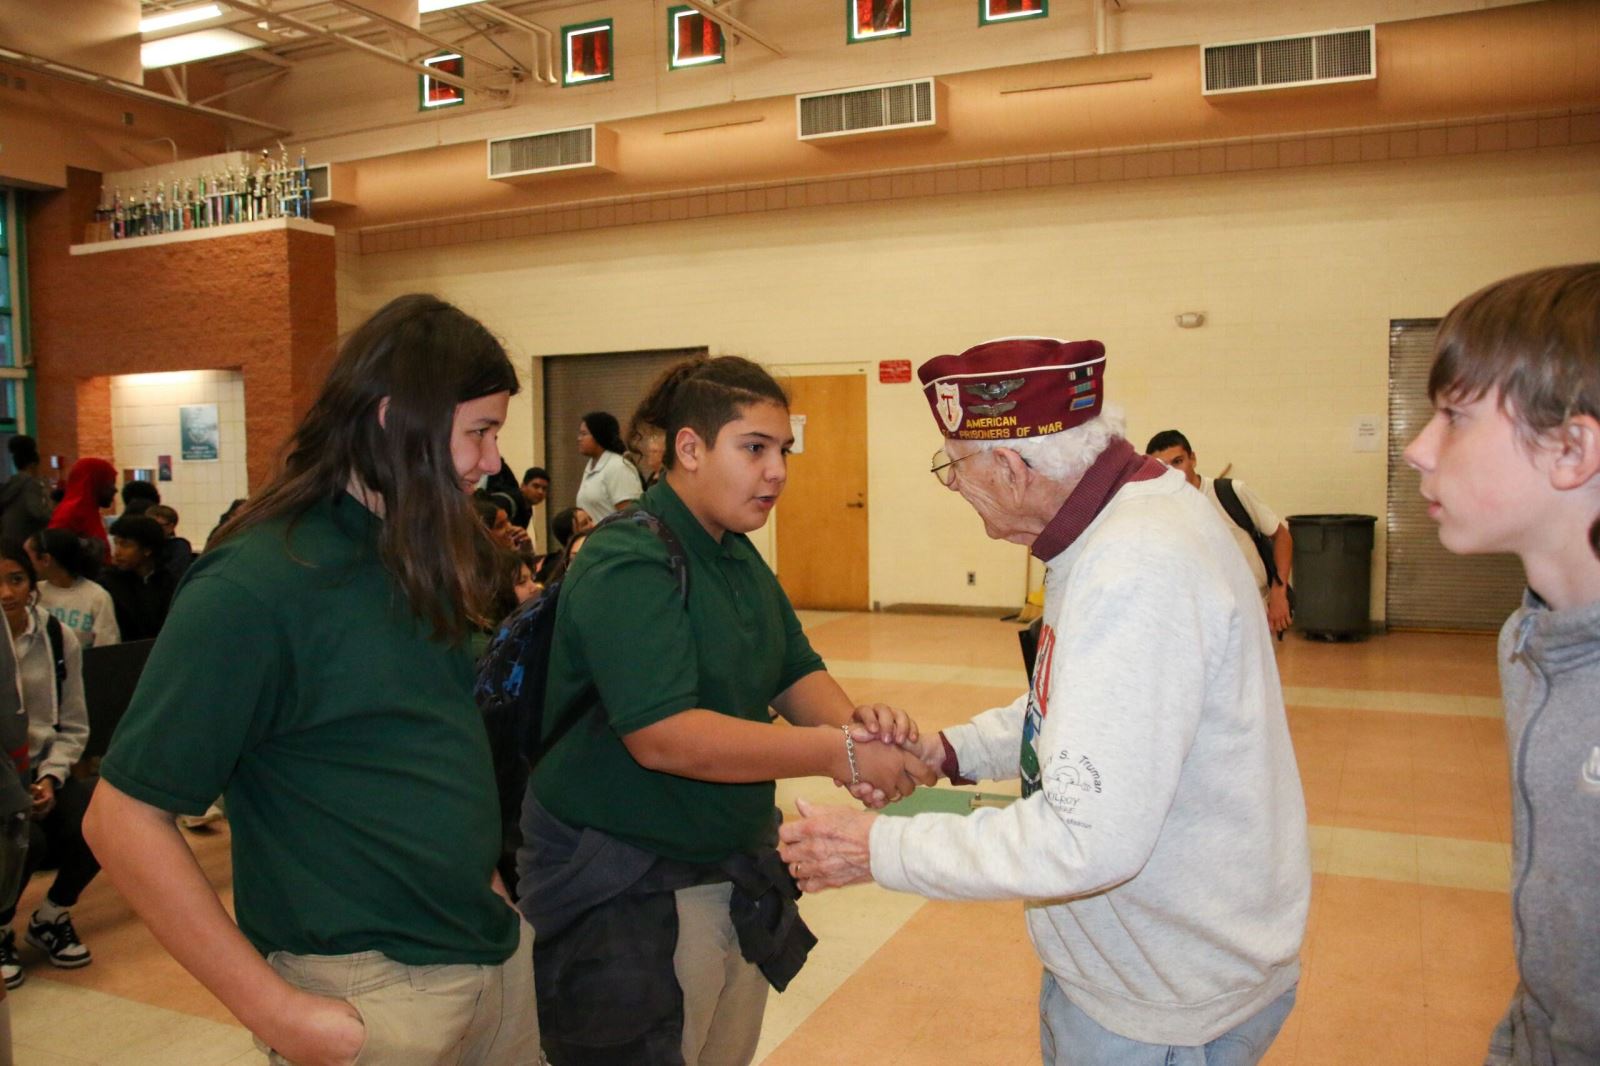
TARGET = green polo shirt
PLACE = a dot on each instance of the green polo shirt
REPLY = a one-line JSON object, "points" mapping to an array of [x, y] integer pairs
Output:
{"points": [[622, 627], [291, 677]]}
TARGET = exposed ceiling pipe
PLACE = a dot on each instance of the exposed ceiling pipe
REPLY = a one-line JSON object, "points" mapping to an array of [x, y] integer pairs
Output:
{"points": [[268, 57], [544, 44], [516, 72], [731, 24], [172, 143], [179, 89], [271, 75], [362, 46], [53, 69]]}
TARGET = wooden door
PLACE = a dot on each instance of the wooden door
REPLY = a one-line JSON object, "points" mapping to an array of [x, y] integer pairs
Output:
{"points": [[822, 515]]}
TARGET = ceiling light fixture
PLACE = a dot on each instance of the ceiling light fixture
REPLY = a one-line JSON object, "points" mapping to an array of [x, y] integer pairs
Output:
{"points": [[425, 6], [182, 17], [189, 47]]}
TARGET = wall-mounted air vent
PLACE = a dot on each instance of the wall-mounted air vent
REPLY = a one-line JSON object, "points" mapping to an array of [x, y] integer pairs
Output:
{"points": [[534, 155], [1282, 62], [909, 105], [333, 184]]}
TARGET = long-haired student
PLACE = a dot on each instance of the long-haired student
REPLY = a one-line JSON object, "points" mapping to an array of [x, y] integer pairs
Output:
{"points": [[315, 671]]}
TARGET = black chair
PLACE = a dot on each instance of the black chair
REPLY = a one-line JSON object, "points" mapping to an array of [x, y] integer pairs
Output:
{"points": [[110, 674]]}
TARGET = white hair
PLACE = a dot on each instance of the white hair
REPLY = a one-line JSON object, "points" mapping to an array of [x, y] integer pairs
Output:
{"points": [[1067, 455]]}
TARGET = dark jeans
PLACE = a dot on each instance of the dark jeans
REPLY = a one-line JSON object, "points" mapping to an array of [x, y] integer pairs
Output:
{"points": [[57, 840]]}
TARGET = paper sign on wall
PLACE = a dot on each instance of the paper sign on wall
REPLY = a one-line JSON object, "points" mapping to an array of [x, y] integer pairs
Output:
{"points": [[1368, 431], [201, 433], [797, 426], [894, 371]]}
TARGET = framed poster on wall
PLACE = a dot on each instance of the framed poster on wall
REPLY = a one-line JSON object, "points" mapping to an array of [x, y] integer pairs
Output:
{"points": [[200, 433]]}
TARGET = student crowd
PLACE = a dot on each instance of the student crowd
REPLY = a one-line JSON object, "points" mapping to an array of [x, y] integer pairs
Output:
{"points": [[634, 904]]}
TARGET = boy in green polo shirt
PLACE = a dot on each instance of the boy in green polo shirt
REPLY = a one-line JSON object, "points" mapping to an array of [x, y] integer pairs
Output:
{"points": [[649, 865], [313, 670]]}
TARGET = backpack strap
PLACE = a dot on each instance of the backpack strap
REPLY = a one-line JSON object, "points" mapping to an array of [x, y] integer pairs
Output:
{"points": [[1235, 507], [58, 650], [677, 558], [534, 745]]}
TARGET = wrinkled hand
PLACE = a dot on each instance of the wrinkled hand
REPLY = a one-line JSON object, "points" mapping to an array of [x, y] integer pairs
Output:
{"points": [[317, 1031], [827, 847], [879, 721], [1278, 609]]}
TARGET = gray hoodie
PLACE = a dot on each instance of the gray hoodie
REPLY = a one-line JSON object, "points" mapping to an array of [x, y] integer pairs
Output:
{"points": [[1550, 677], [24, 508]]}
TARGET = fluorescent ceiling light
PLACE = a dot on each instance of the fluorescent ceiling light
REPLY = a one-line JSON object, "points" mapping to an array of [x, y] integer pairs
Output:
{"points": [[183, 17], [425, 6], [188, 47]]}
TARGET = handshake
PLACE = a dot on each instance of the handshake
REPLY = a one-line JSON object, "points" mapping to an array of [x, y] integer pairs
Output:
{"points": [[884, 757]]}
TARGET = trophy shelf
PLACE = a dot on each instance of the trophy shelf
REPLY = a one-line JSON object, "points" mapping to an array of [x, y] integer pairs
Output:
{"points": [[203, 233]]}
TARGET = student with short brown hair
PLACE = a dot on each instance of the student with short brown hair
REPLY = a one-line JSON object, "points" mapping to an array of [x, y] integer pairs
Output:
{"points": [[1511, 463]]}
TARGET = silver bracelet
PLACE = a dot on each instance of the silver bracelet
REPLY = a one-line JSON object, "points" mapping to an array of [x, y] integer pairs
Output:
{"points": [[850, 753]]}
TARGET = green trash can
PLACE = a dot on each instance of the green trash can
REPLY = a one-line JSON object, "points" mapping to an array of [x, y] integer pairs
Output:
{"points": [[1333, 574]]}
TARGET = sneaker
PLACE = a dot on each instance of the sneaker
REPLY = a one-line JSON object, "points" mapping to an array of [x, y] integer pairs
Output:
{"points": [[59, 940], [10, 964]]}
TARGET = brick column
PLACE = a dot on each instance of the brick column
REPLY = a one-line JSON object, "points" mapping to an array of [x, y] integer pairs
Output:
{"points": [[261, 303]]}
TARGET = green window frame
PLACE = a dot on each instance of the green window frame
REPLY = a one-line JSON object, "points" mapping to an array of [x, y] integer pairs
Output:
{"points": [[674, 62], [987, 16], [602, 27], [434, 95], [854, 10], [16, 379]]}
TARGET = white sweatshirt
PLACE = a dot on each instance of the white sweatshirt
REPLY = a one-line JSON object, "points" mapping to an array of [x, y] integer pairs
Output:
{"points": [[1163, 846], [84, 607]]}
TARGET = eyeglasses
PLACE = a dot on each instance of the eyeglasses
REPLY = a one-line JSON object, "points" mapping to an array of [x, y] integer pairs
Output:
{"points": [[941, 464]]}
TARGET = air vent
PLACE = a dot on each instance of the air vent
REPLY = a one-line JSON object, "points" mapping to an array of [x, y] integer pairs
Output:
{"points": [[533, 155], [333, 184], [910, 105], [1282, 62]]}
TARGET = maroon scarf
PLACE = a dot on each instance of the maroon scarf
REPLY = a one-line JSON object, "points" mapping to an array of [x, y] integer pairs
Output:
{"points": [[1116, 466]]}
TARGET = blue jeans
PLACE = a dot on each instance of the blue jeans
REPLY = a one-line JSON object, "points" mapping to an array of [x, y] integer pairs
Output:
{"points": [[1069, 1037]]}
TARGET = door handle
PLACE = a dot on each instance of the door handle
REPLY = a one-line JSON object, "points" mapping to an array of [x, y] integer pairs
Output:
{"points": [[858, 503]]}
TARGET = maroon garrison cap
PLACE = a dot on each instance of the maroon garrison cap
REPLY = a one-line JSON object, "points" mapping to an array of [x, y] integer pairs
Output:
{"points": [[1015, 387]]}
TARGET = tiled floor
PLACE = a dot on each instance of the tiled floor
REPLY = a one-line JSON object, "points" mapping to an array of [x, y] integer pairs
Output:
{"points": [[1407, 961]]}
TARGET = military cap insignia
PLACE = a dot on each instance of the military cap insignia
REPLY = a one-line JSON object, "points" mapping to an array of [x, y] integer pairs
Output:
{"points": [[994, 390]]}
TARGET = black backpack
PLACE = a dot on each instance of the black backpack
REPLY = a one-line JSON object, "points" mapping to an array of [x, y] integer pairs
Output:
{"points": [[513, 670], [1241, 518]]}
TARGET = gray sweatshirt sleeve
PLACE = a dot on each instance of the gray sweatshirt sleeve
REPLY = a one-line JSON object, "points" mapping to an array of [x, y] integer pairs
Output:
{"points": [[1124, 703], [989, 747], [72, 716]]}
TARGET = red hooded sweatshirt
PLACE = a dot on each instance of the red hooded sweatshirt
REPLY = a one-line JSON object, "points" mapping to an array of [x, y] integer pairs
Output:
{"points": [[79, 509]]}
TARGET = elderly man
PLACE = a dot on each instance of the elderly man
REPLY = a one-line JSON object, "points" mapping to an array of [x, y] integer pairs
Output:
{"points": [[1160, 840]]}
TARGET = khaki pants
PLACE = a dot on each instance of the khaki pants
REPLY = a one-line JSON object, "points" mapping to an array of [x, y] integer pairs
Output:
{"points": [[445, 1015], [724, 997]]}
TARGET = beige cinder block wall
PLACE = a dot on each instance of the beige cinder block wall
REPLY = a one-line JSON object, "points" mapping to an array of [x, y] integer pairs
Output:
{"points": [[1298, 271]]}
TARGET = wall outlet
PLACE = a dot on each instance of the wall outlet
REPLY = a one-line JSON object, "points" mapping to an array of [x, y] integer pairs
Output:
{"points": [[972, 577]]}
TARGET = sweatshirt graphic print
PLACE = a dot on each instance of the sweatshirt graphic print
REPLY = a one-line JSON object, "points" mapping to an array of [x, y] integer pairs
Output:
{"points": [[1033, 719]]}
